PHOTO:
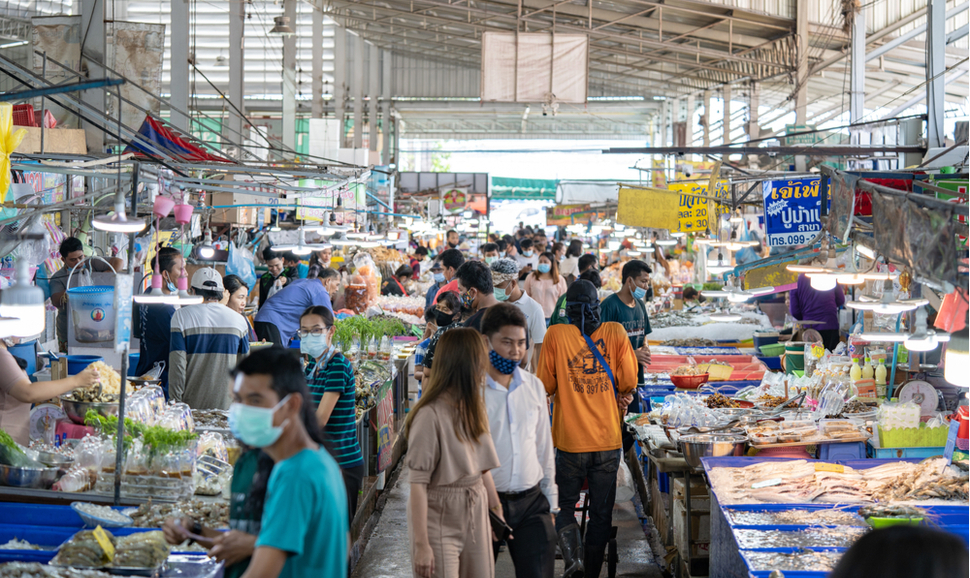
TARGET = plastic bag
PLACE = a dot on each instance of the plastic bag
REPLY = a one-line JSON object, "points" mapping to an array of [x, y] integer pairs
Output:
{"points": [[625, 489], [240, 263]]}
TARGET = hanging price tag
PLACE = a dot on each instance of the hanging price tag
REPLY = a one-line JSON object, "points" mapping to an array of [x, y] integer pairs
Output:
{"points": [[105, 542], [830, 468]]}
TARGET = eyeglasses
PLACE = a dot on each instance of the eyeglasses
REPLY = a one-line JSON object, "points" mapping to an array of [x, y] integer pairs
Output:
{"points": [[315, 332]]}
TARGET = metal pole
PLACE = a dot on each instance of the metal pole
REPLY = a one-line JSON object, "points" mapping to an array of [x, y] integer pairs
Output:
{"points": [[43, 105], [935, 68], [289, 78], [857, 68], [358, 92], [180, 27]]}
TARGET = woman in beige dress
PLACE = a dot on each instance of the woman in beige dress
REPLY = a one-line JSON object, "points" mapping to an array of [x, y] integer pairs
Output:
{"points": [[450, 453]]}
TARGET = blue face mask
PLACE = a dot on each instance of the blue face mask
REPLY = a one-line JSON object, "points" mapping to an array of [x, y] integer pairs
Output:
{"points": [[253, 426], [526, 253], [502, 365], [639, 293], [439, 277], [500, 294], [171, 287], [314, 345], [544, 267]]}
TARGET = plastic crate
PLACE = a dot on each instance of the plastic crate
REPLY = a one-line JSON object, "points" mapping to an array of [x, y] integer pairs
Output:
{"points": [[772, 363], [843, 451], [23, 115], [888, 453]]}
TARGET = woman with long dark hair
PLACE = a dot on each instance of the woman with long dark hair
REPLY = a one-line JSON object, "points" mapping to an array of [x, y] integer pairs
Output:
{"points": [[450, 455], [545, 284], [237, 292]]}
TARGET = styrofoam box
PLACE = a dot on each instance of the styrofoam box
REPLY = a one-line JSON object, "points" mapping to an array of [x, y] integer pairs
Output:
{"points": [[700, 499], [700, 528]]}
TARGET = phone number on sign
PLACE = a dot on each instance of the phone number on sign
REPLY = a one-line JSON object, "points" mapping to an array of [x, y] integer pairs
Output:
{"points": [[791, 239]]}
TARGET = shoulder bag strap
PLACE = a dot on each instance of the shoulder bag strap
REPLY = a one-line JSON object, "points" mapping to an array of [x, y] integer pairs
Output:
{"points": [[602, 361]]}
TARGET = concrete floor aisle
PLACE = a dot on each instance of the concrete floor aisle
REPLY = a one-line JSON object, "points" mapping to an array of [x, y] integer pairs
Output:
{"points": [[386, 554]]}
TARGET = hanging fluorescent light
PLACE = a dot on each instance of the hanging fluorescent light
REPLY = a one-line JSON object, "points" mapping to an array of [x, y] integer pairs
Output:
{"points": [[156, 295], [866, 252], [301, 247], [956, 361], [923, 338], [677, 234], [719, 267], [667, 242], [885, 304], [276, 228], [281, 26], [614, 245], [118, 221], [206, 250], [23, 305], [823, 281], [221, 61], [633, 253]]}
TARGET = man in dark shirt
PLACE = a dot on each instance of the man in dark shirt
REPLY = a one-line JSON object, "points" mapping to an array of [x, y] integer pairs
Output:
{"points": [[476, 291], [627, 308], [276, 275]]}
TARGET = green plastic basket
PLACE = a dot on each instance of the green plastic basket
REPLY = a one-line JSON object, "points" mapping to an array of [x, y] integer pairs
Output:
{"points": [[772, 350]]}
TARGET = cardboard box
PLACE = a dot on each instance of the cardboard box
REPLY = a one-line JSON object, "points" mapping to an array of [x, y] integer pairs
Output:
{"points": [[700, 529], [700, 499], [239, 215], [56, 140]]}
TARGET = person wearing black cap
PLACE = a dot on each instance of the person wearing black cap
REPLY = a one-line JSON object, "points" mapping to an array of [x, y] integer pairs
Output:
{"points": [[591, 370]]}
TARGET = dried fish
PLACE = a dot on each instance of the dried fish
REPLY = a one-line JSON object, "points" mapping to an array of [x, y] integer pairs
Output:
{"points": [[840, 537], [210, 514], [695, 342], [828, 517], [36, 570], [804, 560]]}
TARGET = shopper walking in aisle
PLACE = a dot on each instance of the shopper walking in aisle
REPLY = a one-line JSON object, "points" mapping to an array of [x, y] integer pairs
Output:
{"points": [[452, 239], [476, 291], [450, 455], [276, 276], [155, 320], [559, 316], [490, 253], [72, 253], [518, 419], [303, 531], [438, 276], [237, 292], [207, 341], [505, 280], [590, 369], [451, 260], [627, 308], [569, 268], [546, 285], [333, 392], [584, 264], [279, 319], [447, 316], [528, 259]]}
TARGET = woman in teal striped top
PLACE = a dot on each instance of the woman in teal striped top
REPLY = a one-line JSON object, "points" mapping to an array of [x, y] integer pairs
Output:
{"points": [[330, 378]]}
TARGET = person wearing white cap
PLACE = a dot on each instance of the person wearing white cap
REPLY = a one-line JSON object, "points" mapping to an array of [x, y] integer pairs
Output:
{"points": [[207, 342]]}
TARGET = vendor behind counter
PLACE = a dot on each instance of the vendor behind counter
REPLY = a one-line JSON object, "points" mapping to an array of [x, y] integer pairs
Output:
{"points": [[72, 252]]}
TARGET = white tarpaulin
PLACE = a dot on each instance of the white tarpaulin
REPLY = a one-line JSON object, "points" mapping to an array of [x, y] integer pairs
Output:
{"points": [[580, 192], [534, 67], [135, 51], [60, 38]]}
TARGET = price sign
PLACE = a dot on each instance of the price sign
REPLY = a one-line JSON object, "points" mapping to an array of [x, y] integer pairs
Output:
{"points": [[818, 350], [792, 211], [104, 542], [385, 422], [830, 468]]}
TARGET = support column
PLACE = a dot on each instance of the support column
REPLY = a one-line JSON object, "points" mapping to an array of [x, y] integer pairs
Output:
{"points": [[754, 130], [707, 118], [339, 79], [180, 63], [935, 67], [857, 86], [93, 50], [663, 123], [726, 125], [358, 91], [373, 90], [289, 79], [237, 58], [801, 66], [386, 108], [691, 105], [316, 43]]}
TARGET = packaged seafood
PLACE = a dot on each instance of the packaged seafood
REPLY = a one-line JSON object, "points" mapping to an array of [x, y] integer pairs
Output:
{"points": [[143, 550], [152, 515], [803, 560], [83, 551]]}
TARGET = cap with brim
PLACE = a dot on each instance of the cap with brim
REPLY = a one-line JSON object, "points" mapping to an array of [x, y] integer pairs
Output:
{"points": [[207, 279]]}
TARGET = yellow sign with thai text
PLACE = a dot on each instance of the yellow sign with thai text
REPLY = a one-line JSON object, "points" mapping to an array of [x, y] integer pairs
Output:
{"points": [[648, 207]]}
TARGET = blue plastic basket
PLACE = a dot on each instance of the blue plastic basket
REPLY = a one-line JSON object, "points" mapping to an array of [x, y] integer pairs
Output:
{"points": [[94, 521], [889, 453]]}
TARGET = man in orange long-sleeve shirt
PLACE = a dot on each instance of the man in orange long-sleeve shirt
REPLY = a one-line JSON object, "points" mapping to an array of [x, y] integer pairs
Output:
{"points": [[587, 407]]}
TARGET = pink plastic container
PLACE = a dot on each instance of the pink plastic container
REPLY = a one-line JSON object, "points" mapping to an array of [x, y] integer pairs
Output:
{"points": [[183, 214], [162, 207]]}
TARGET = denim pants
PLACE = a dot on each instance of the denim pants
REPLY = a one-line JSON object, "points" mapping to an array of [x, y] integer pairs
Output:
{"points": [[599, 469]]}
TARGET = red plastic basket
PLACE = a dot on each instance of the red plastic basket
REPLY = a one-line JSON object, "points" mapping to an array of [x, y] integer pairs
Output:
{"points": [[23, 115]]}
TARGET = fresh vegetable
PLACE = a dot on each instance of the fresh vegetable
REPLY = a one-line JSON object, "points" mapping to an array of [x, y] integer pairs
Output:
{"points": [[367, 329], [12, 454]]}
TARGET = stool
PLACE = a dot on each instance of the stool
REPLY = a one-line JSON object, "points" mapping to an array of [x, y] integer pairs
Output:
{"points": [[612, 556]]}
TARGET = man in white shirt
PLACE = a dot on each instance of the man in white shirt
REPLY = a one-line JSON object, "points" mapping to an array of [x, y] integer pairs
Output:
{"points": [[518, 419], [505, 281]]}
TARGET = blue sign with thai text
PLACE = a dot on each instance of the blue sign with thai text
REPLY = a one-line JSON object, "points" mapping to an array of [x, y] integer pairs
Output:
{"points": [[792, 211]]}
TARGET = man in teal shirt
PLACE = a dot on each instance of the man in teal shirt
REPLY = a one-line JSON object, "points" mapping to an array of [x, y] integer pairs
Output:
{"points": [[305, 522]]}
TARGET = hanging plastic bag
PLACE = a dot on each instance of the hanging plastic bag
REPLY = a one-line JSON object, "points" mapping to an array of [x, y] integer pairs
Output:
{"points": [[625, 489], [241, 264]]}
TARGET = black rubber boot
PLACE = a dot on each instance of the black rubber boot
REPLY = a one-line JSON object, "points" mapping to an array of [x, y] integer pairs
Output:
{"points": [[594, 560], [571, 545]]}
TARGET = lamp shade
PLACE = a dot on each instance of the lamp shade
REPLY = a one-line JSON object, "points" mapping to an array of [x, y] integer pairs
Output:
{"points": [[23, 302], [956, 368]]}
